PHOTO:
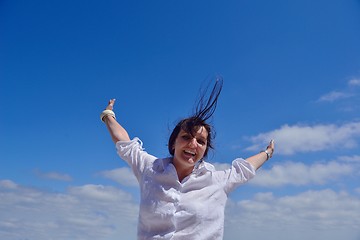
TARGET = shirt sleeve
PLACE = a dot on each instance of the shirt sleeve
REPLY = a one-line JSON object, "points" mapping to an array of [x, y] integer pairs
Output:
{"points": [[240, 172], [134, 154]]}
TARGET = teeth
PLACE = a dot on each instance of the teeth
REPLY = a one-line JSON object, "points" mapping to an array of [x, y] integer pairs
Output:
{"points": [[190, 152]]}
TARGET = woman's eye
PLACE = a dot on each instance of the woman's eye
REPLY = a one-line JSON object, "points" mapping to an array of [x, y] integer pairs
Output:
{"points": [[201, 142], [186, 137]]}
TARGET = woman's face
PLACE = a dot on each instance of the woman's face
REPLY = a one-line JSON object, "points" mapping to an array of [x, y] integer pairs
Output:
{"points": [[190, 148]]}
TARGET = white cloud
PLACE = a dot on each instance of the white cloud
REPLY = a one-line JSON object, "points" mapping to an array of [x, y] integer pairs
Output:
{"points": [[354, 82], [324, 214], [53, 175], [348, 92], [333, 96], [302, 138], [299, 174], [221, 166], [83, 212], [124, 176], [351, 159], [7, 184]]}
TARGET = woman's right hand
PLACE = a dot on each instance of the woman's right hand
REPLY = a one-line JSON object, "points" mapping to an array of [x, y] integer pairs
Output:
{"points": [[117, 132], [110, 105]]}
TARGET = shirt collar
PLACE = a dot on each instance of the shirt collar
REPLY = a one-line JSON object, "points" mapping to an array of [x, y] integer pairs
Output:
{"points": [[200, 167]]}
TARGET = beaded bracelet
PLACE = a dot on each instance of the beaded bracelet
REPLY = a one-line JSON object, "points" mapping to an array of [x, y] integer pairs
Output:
{"points": [[106, 113]]}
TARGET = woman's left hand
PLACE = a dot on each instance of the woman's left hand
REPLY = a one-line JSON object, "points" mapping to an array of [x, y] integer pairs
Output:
{"points": [[271, 147]]}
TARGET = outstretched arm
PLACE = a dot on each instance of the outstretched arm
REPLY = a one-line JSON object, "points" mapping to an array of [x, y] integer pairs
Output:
{"points": [[117, 132], [259, 159]]}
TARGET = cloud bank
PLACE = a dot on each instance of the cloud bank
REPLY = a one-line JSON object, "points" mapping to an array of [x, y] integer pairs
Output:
{"points": [[299, 174], [302, 138], [103, 212], [83, 212], [323, 214]]}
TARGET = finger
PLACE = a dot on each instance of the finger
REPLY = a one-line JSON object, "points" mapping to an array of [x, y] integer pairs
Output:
{"points": [[112, 102], [110, 105], [272, 143], [272, 147]]}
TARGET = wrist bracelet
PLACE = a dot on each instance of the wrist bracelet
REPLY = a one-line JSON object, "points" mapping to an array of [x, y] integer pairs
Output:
{"points": [[106, 113], [267, 154]]}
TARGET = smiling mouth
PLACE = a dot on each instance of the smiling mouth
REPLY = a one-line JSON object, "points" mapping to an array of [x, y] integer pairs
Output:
{"points": [[190, 152]]}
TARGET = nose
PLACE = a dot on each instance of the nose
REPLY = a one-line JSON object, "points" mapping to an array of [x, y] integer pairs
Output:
{"points": [[193, 142]]}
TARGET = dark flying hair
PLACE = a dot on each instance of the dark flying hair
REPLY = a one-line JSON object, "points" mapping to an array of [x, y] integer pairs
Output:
{"points": [[204, 110]]}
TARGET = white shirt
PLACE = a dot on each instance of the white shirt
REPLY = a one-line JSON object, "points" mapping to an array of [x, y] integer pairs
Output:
{"points": [[190, 210]]}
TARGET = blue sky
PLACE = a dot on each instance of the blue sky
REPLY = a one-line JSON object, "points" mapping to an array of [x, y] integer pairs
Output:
{"points": [[291, 72]]}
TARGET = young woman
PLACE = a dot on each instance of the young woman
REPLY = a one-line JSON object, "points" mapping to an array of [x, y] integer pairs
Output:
{"points": [[183, 196]]}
